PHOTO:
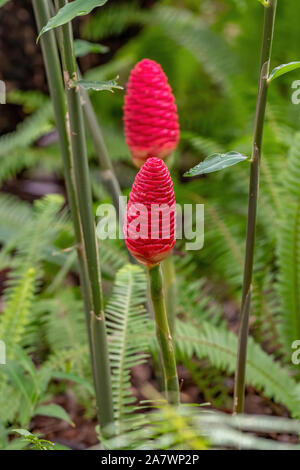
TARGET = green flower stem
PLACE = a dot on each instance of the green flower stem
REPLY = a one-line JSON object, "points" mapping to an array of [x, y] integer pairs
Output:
{"points": [[269, 21], [71, 132], [169, 277], [164, 336]]}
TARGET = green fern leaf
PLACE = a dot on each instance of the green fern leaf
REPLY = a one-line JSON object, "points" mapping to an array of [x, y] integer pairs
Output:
{"points": [[188, 31], [126, 317], [15, 316], [220, 346], [30, 100], [28, 131], [14, 214], [111, 21], [64, 321], [289, 251], [33, 245]]}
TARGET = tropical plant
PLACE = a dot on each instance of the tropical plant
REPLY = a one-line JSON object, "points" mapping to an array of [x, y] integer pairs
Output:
{"points": [[48, 248]]}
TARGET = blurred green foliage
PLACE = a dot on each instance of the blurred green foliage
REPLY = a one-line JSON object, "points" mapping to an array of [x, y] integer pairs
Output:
{"points": [[210, 51]]}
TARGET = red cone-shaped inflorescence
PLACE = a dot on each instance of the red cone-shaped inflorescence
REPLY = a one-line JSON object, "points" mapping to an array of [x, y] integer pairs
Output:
{"points": [[150, 223], [150, 113]]}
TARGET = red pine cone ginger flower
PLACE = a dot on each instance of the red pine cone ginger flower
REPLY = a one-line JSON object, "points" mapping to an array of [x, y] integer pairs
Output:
{"points": [[150, 113], [150, 222]]}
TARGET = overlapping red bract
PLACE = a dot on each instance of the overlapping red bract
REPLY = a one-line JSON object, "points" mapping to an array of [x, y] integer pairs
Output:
{"points": [[152, 186], [150, 113]]}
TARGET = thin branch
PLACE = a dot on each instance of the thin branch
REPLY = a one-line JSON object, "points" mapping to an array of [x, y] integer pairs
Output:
{"points": [[269, 21]]}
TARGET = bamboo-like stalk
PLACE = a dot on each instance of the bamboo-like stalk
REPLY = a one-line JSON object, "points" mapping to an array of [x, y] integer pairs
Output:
{"points": [[72, 142], [269, 21], [164, 336], [87, 225], [57, 93], [56, 88]]}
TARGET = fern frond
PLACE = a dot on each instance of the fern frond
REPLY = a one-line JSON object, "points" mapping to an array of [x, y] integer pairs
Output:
{"points": [[74, 360], [289, 251], [30, 100], [14, 214], [18, 305], [194, 428], [182, 26], [31, 245], [188, 31], [210, 382], [222, 243], [16, 161], [113, 256], [28, 131], [34, 242], [64, 321], [220, 346], [201, 144], [113, 20], [194, 298], [271, 185], [25, 225], [69, 360], [126, 317]]}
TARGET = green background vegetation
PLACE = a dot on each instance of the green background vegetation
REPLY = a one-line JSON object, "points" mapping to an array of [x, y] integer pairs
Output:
{"points": [[210, 52]]}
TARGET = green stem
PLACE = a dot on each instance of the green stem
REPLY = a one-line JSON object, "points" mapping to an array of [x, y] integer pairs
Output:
{"points": [[164, 336], [168, 271], [169, 277], [269, 21]]}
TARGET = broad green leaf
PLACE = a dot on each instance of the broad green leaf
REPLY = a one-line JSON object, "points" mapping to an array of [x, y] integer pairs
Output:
{"points": [[107, 85], [2, 2], [16, 444], [53, 411], [20, 382], [216, 162], [73, 378], [81, 48], [282, 69], [69, 12]]}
